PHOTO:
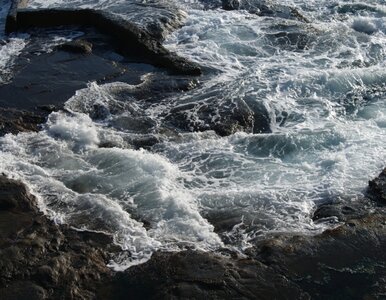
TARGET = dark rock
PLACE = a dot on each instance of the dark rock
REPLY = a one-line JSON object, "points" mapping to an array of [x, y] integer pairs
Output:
{"points": [[14, 195], [47, 275], [341, 263], [131, 39], [48, 108], [346, 262], [23, 291], [225, 117], [230, 4], [14, 121], [144, 142], [342, 211], [54, 79], [11, 22], [26, 101], [266, 8], [53, 261], [377, 188], [77, 46], [292, 37], [194, 275]]}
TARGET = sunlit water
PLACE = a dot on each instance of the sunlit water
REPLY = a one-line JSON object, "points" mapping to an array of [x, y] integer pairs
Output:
{"points": [[322, 86]]}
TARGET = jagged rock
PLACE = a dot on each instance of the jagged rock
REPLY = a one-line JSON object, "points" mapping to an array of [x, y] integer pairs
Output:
{"points": [[230, 4], [343, 210], [14, 121], [42, 260], [224, 118], [377, 187], [341, 263]]}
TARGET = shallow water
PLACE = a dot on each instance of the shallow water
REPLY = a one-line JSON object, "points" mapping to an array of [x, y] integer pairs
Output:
{"points": [[321, 84]]}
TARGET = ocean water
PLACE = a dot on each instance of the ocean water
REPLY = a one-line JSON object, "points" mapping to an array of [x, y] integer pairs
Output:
{"points": [[320, 85]]}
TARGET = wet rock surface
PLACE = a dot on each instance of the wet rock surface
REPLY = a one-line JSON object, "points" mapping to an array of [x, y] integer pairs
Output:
{"points": [[42, 260], [77, 46], [128, 37], [266, 9], [14, 121], [377, 188], [26, 101]]}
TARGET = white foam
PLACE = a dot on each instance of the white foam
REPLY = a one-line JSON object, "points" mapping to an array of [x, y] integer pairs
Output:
{"points": [[8, 55], [98, 188]]}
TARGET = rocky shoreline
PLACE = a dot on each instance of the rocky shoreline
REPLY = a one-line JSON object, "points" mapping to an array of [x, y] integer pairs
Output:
{"points": [[43, 260]]}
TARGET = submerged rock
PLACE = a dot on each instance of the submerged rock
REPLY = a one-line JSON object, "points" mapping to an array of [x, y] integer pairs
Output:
{"points": [[77, 46], [265, 8], [291, 36], [224, 117]]}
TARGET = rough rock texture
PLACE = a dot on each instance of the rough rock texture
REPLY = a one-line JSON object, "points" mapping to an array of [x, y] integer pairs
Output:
{"points": [[197, 275], [377, 188], [42, 260], [224, 117], [14, 121]]}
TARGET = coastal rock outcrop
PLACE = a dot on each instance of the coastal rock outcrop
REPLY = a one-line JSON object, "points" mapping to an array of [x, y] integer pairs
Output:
{"points": [[40, 259], [345, 262], [128, 38], [377, 188]]}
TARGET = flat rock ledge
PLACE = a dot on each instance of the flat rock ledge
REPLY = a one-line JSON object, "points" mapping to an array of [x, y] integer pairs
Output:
{"points": [[129, 38]]}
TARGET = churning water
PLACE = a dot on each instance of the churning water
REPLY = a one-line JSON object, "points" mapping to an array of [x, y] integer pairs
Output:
{"points": [[321, 84]]}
